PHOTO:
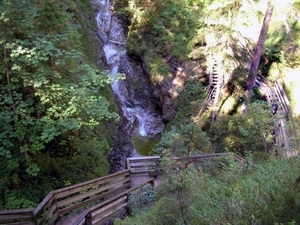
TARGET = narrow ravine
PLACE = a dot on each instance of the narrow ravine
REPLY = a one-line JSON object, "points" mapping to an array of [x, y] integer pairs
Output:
{"points": [[143, 119]]}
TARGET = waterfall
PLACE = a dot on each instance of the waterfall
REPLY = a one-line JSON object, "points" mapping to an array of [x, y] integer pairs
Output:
{"points": [[141, 114]]}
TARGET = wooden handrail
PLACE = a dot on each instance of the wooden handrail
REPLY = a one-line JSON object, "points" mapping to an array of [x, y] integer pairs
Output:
{"points": [[213, 155], [142, 165], [109, 206], [17, 216], [110, 192], [63, 201]]}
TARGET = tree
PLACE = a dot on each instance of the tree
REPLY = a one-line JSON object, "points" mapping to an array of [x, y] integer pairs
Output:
{"points": [[253, 132], [184, 142], [46, 95], [257, 55]]}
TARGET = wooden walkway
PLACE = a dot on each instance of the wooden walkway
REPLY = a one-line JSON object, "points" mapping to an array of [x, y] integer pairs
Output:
{"points": [[96, 201], [135, 182]]}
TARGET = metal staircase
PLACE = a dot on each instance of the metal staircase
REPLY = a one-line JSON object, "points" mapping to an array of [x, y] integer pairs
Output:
{"points": [[216, 82], [274, 94], [276, 97]]}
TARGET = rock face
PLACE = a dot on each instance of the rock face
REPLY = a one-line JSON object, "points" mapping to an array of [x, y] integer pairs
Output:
{"points": [[142, 112], [168, 91], [139, 109]]}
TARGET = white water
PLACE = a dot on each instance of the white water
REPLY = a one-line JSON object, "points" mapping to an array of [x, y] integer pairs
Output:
{"points": [[112, 35]]}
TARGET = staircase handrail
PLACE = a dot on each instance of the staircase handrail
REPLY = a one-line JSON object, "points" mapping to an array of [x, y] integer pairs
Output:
{"points": [[24, 215], [142, 165], [95, 194], [212, 155], [108, 206]]}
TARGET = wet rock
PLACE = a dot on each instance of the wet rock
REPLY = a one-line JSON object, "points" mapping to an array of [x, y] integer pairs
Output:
{"points": [[140, 108]]}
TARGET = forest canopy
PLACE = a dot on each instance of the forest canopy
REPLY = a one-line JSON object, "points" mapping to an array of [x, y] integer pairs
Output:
{"points": [[52, 96], [57, 112], [202, 37]]}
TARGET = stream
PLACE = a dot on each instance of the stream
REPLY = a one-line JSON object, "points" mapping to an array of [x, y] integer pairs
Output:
{"points": [[143, 121]]}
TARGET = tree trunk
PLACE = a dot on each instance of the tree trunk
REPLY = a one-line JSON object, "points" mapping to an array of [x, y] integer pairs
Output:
{"points": [[257, 56]]}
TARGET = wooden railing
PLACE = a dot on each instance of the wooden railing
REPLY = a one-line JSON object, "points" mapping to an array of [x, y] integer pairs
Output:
{"points": [[62, 202], [213, 155], [94, 201], [107, 210], [144, 165], [17, 216]]}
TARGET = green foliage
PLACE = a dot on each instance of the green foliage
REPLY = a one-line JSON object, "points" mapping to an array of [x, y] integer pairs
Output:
{"points": [[251, 133], [166, 28], [187, 103], [141, 199], [176, 191], [257, 195], [51, 18], [89, 157], [15, 201], [187, 140], [48, 97]]}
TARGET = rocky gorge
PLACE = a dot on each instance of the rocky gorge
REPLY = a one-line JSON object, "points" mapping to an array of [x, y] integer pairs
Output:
{"points": [[144, 107]]}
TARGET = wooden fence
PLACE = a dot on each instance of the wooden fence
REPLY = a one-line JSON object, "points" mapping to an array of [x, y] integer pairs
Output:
{"points": [[96, 201], [65, 201], [213, 155], [107, 210], [151, 165], [17, 216], [144, 165]]}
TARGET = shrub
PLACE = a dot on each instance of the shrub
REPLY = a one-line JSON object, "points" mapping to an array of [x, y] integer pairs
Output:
{"points": [[254, 132]]}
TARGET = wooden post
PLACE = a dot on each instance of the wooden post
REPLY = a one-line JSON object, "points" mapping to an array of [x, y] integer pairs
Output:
{"points": [[88, 219]]}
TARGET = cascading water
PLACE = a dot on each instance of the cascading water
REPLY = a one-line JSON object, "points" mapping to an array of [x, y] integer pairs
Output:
{"points": [[142, 115]]}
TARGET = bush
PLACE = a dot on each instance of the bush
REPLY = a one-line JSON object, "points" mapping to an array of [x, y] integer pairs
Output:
{"points": [[254, 132], [257, 195], [187, 140]]}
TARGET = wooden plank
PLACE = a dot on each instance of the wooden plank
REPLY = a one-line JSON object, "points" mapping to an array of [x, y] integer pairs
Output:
{"points": [[92, 192], [104, 210], [53, 219], [118, 195], [280, 98], [16, 214], [22, 223], [95, 199], [92, 181], [44, 204], [85, 214], [48, 214], [282, 95], [89, 201], [101, 204], [128, 164], [111, 214], [239, 158], [82, 186], [144, 159], [141, 171], [152, 164], [199, 157], [101, 219], [81, 219], [207, 156]]}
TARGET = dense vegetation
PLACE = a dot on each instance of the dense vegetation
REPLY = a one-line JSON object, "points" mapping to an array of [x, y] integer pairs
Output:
{"points": [[188, 33], [223, 194], [54, 101], [56, 109], [204, 28]]}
